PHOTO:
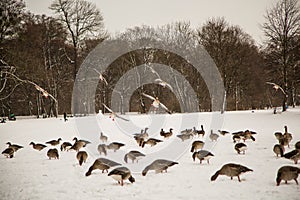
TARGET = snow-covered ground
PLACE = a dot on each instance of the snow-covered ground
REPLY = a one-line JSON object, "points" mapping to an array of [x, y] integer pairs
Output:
{"points": [[30, 175]]}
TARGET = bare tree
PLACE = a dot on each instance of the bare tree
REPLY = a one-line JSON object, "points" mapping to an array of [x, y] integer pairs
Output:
{"points": [[11, 12], [281, 27], [82, 19]]}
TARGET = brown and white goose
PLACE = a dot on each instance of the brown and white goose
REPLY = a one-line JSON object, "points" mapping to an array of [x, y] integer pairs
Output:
{"points": [[54, 142], [213, 136], [8, 152], [287, 173], [53, 153], [166, 134], [240, 147], [133, 155], [231, 170], [121, 174], [198, 144], [103, 137], [115, 146], [81, 157], [159, 166], [65, 146], [15, 147], [102, 164], [151, 141], [37, 146], [293, 155], [278, 149], [202, 155]]}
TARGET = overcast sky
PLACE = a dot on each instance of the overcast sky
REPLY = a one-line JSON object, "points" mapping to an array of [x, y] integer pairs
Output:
{"points": [[122, 14]]}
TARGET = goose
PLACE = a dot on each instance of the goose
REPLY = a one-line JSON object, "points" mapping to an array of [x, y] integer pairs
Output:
{"points": [[287, 135], [8, 152], [115, 146], [159, 166], [240, 147], [38, 147], [166, 134], [184, 137], [222, 132], [231, 170], [186, 131], [141, 136], [201, 132], [54, 142], [293, 155], [297, 145], [120, 174], [151, 141], [278, 149], [52, 153], [101, 164], [15, 147], [213, 136], [197, 145], [156, 103], [139, 140], [202, 155], [287, 173], [77, 145], [103, 137], [102, 149], [278, 135], [85, 142], [246, 135], [236, 138], [81, 157], [113, 115], [65, 146], [133, 155]]}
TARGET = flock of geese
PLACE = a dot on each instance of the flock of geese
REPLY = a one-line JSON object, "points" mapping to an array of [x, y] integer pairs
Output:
{"points": [[121, 173]]}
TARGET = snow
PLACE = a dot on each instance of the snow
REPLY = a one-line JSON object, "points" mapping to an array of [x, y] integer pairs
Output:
{"points": [[30, 175]]}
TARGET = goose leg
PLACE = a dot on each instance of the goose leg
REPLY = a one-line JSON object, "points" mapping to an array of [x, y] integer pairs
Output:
{"points": [[239, 179], [296, 181]]}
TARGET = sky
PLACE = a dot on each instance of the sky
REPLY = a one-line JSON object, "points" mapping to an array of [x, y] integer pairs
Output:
{"points": [[120, 14]]}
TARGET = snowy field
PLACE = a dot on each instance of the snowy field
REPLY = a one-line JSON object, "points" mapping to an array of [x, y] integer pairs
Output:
{"points": [[31, 175]]}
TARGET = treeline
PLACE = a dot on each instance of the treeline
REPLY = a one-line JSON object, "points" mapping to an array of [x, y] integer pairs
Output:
{"points": [[41, 55]]}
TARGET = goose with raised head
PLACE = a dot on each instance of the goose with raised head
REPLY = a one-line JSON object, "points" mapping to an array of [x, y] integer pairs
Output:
{"points": [[287, 173], [213, 136], [121, 174], [133, 155], [166, 134], [37, 146], [202, 155], [159, 166], [15, 147], [103, 137], [231, 170], [54, 142]]}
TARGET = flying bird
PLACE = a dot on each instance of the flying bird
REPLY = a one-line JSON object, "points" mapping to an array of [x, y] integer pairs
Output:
{"points": [[113, 115], [156, 103], [276, 87]]}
